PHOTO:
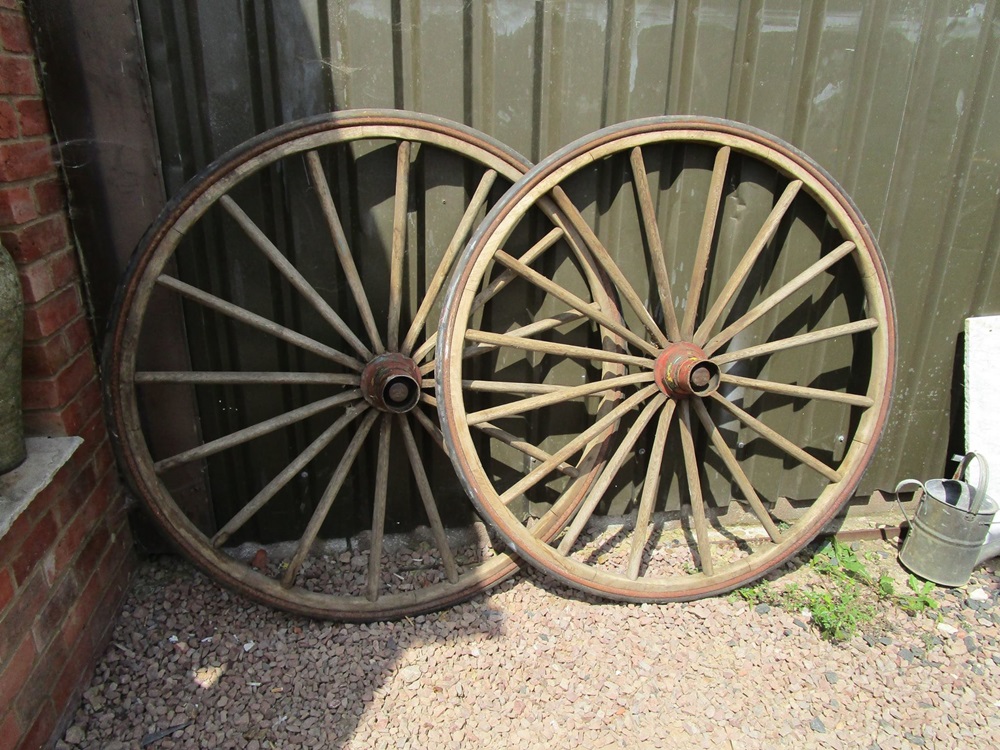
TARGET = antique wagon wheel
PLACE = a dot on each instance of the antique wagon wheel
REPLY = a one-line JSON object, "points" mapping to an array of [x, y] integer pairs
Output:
{"points": [[303, 365], [758, 352]]}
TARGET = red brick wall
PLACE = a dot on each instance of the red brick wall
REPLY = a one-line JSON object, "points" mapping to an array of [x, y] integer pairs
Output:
{"points": [[65, 563]]}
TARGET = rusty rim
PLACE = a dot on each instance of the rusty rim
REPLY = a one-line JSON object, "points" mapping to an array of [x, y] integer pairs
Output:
{"points": [[758, 306]]}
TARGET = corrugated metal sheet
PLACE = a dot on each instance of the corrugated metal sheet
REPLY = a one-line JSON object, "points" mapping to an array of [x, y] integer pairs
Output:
{"points": [[898, 100]]}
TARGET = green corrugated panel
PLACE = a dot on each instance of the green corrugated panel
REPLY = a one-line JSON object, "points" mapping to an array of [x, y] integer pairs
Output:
{"points": [[898, 100]]}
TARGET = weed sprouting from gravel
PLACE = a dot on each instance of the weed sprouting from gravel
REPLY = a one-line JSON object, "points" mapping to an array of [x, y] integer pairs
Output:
{"points": [[845, 595]]}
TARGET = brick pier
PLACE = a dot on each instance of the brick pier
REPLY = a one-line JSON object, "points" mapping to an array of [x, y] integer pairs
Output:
{"points": [[66, 560]]}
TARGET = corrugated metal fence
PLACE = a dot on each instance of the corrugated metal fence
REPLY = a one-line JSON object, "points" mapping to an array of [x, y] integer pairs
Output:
{"points": [[898, 100]]}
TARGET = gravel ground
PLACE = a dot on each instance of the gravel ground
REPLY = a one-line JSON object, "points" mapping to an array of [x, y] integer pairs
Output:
{"points": [[532, 664]]}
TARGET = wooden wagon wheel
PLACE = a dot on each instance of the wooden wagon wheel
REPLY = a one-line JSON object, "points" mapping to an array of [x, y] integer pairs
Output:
{"points": [[758, 353], [307, 266]]}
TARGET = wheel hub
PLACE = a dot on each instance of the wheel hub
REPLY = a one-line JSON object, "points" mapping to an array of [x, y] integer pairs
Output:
{"points": [[683, 369], [391, 383]]}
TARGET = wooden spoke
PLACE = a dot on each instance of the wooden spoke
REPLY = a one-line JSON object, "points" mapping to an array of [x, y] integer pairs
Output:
{"points": [[502, 386], [287, 474], [607, 263], [545, 468], [779, 296], [398, 242], [378, 513], [736, 471], [798, 391], [326, 501], [531, 329], [694, 490], [430, 504], [550, 287], [343, 249], [650, 488], [562, 350], [430, 428], [778, 440], [648, 213], [524, 447], [508, 276], [802, 339], [260, 323], [293, 276], [763, 237], [526, 331], [608, 474], [255, 431], [448, 259], [246, 378], [568, 393], [712, 204]]}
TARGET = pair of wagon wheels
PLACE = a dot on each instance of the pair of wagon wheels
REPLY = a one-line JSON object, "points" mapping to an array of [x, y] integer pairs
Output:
{"points": [[659, 366]]}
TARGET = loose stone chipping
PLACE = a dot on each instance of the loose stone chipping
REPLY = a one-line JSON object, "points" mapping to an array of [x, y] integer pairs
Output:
{"points": [[533, 664]]}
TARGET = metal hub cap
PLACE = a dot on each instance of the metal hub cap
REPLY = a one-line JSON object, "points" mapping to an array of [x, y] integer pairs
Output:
{"points": [[391, 383], [683, 370]]}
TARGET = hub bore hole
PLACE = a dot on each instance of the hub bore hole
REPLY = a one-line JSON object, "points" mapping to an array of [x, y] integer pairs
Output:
{"points": [[704, 377], [401, 393]]}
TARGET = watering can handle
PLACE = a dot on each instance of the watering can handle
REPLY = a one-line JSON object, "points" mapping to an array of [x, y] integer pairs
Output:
{"points": [[906, 483], [984, 479]]}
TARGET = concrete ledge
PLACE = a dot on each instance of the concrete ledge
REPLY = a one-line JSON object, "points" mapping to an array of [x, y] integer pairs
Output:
{"points": [[46, 455]]}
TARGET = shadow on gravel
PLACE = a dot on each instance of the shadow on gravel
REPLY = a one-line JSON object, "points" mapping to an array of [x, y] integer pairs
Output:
{"points": [[191, 665]]}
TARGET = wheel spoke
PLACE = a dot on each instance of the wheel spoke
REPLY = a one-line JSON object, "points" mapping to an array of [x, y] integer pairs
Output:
{"points": [[539, 326], [650, 488], [343, 249], [246, 378], [568, 393], [587, 308], [648, 214], [545, 468], [255, 431], [798, 391], [694, 491], [287, 474], [326, 501], [764, 236], [700, 268], [430, 428], [777, 440], [430, 504], [608, 474], [260, 323], [398, 242], [563, 350], [508, 276], [378, 513], [293, 276], [803, 339], [528, 449], [448, 259], [778, 296], [607, 263], [736, 471]]}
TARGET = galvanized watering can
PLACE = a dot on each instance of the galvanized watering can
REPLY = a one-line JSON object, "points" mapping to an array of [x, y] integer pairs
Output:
{"points": [[947, 534]]}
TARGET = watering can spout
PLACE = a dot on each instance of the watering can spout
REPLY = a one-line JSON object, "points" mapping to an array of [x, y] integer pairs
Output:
{"points": [[991, 547]]}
